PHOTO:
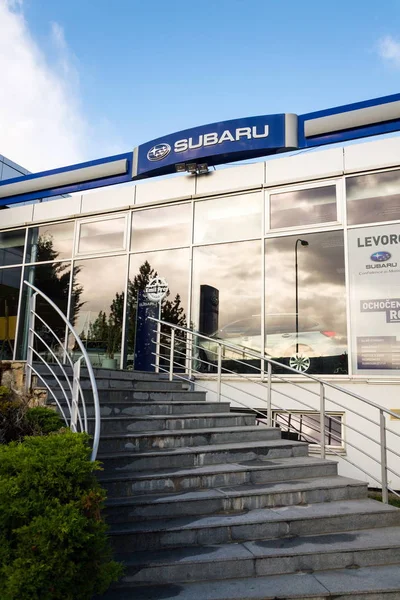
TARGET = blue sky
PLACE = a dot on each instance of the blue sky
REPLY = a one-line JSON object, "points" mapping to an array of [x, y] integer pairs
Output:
{"points": [[128, 71]]}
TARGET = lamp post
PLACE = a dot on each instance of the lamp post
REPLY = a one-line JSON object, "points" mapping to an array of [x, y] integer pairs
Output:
{"points": [[303, 243]]}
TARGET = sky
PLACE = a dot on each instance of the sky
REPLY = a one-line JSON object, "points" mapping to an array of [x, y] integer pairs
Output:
{"points": [[83, 79]]}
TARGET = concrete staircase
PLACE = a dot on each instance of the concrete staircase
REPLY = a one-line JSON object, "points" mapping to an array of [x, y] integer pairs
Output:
{"points": [[205, 505]]}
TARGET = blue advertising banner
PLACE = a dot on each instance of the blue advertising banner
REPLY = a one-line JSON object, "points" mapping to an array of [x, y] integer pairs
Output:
{"points": [[217, 143], [145, 345]]}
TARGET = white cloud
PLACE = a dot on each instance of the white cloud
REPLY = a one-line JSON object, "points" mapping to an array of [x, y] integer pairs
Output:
{"points": [[389, 50], [42, 123]]}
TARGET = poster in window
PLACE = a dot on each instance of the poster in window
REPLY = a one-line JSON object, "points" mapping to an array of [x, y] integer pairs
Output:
{"points": [[374, 266]]}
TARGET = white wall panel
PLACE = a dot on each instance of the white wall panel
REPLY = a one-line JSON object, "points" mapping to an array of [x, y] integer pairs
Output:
{"points": [[18, 215], [305, 167], [167, 189], [231, 178], [372, 155], [109, 198], [55, 209]]}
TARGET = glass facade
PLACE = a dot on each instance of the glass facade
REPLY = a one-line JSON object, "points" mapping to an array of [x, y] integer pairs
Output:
{"points": [[50, 242], [373, 198], [303, 207], [229, 218], [319, 331], [272, 271]]}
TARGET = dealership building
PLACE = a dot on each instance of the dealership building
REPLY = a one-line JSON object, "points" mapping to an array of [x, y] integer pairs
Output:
{"points": [[296, 254]]}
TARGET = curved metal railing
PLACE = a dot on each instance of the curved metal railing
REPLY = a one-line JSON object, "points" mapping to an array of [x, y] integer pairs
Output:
{"points": [[180, 353], [71, 400]]}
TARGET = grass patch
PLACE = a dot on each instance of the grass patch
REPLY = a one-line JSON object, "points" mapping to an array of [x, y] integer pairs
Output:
{"points": [[377, 495]]}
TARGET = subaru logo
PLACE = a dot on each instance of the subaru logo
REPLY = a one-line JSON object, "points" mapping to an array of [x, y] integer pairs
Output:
{"points": [[158, 152], [380, 256]]}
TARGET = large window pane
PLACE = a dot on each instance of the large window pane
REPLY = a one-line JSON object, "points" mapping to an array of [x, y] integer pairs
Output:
{"points": [[374, 267], [226, 301], [98, 311], [50, 242], [228, 219], [172, 265], [373, 198], [100, 236], [12, 247], [303, 207], [10, 280], [164, 227], [319, 336], [53, 279]]}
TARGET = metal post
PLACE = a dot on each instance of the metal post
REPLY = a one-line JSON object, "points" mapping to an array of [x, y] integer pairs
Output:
{"points": [[269, 395], [219, 372], [190, 354], [385, 492], [297, 297], [75, 394], [322, 417], [31, 341], [171, 355], [303, 243], [158, 341]]}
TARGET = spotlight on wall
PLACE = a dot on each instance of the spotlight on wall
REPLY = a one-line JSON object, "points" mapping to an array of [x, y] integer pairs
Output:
{"points": [[191, 168]]}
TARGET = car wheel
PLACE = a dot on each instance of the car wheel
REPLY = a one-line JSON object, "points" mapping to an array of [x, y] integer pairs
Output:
{"points": [[300, 361]]}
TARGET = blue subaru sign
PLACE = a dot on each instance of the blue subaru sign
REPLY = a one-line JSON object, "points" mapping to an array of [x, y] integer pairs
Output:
{"points": [[217, 143], [213, 144]]}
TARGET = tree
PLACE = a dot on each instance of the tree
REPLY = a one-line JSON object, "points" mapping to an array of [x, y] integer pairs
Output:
{"points": [[108, 328], [53, 279]]}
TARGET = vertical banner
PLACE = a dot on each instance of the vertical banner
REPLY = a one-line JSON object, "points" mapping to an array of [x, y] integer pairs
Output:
{"points": [[374, 266], [145, 345]]}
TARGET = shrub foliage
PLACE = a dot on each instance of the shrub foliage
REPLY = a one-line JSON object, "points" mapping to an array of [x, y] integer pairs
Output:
{"points": [[17, 420], [53, 543]]}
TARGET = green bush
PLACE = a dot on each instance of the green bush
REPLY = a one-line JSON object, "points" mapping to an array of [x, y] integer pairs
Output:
{"points": [[13, 424], [17, 420], [43, 420], [53, 543]]}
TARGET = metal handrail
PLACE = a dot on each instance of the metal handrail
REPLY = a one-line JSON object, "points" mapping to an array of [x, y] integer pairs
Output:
{"points": [[72, 392], [166, 350]]}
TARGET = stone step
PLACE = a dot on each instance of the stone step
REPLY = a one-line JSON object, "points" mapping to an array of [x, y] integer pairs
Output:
{"points": [[111, 397], [150, 423], [128, 384], [208, 477], [139, 442], [339, 550], [202, 455], [101, 373], [267, 523], [150, 395], [365, 583], [234, 499], [136, 407]]}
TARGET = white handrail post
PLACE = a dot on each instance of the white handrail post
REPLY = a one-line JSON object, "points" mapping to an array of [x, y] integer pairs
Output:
{"points": [[382, 423], [269, 395], [171, 355], [322, 417], [219, 372], [31, 341], [75, 394], [73, 418], [190, 354], [158, 342]]}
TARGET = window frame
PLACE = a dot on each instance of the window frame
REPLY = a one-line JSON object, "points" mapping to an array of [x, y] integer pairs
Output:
{"points": [[314, 446], [91, 254], [338, 183]]}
